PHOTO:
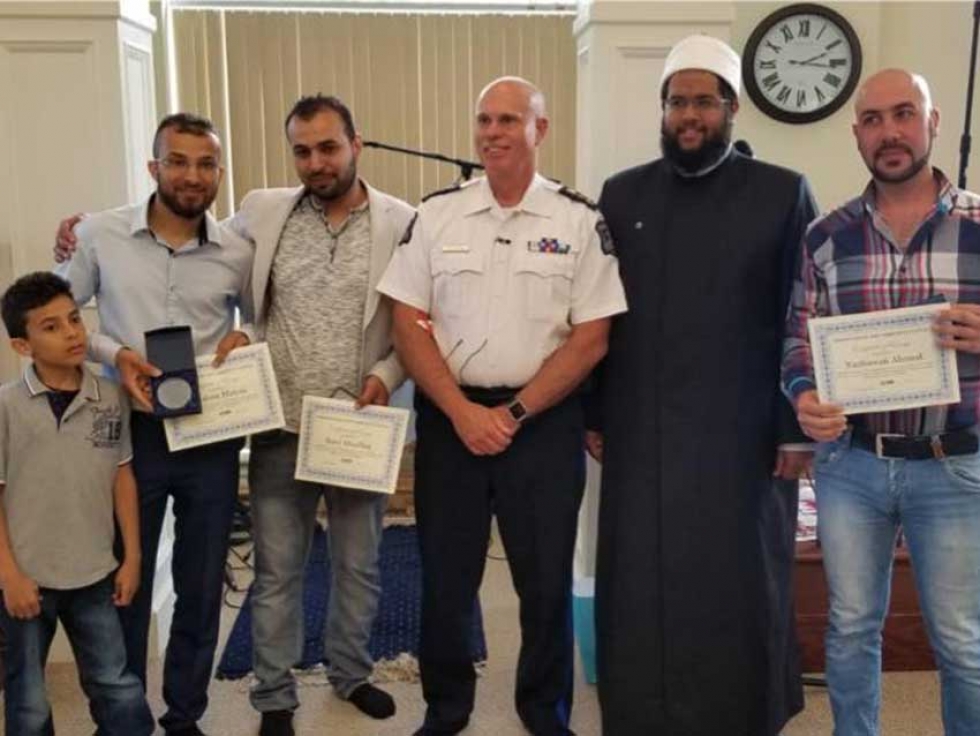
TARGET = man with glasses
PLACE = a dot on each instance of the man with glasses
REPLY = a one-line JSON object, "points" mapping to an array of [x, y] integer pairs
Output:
{"points": [[696, 541], [160, 262]]}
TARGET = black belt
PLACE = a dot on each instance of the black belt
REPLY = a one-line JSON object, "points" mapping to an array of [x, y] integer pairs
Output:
{"points": [[917, 447], [489, 396]]}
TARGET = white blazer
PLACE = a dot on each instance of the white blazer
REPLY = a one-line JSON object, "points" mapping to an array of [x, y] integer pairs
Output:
{"points": [[261, 219]]}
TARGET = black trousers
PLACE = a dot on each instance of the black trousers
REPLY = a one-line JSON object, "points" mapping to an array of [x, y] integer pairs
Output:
{"points": [[203, 482], [534, 488]]}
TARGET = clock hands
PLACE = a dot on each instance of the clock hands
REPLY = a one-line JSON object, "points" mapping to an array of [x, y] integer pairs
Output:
{"points": [[807, 62]]}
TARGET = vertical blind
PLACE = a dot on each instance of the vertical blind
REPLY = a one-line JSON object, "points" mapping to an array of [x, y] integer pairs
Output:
{"points": [[409, 79]]}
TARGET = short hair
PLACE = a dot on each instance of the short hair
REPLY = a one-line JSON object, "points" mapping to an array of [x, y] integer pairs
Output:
{"points": [[182, 122], [724, 89], [32, 291], [306, 108]]}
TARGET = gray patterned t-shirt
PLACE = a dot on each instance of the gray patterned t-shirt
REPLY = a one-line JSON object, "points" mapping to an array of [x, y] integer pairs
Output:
{"points": [[318, 287]]}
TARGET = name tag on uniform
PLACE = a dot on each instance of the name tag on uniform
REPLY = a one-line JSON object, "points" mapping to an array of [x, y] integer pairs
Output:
{"points": [[548, 245], [455, 249]]}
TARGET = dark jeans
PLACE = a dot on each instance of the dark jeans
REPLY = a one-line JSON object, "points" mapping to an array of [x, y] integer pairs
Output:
{"points": [[203, 482], [116, 697], [534, 488]]}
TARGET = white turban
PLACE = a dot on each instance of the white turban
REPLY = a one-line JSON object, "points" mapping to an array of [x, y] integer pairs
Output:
{"points": [[707, 54]]}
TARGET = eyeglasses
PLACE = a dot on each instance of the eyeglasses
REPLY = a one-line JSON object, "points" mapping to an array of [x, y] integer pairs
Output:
{"points": [[183, 166], [702, 104]]}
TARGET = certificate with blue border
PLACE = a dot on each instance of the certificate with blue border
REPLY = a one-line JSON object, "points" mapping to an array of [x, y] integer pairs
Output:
{"points": [[341, 445], [238, 398], [883, 361]]}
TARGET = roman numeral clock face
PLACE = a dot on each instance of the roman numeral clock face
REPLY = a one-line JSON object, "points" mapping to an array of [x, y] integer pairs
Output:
{"points": [[801, 63]]}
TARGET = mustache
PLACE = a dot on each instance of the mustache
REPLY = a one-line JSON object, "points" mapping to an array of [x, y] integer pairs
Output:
{"points": [[890, 147]]}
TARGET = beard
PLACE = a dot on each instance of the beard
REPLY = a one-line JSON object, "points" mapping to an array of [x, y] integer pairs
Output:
{"points": [[897, 177], [711, 150], [171, 199], [330, 189]]}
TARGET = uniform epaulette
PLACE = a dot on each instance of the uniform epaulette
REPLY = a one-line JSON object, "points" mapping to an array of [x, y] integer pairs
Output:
{"points": [[578, 197], [448, 190]]}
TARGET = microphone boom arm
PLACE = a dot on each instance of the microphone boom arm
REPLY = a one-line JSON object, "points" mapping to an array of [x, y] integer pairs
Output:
{"points": [[466, 168]]}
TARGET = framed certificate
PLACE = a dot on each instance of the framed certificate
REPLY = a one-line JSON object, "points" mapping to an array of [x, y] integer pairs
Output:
{"points": [[237, 399], [883, 361], [348, 447]]}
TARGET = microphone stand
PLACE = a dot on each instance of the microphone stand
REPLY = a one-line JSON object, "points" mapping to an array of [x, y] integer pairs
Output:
{"points": [[466, 168], [965, 140]]}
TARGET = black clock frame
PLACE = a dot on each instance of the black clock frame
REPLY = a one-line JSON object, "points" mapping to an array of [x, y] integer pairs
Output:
{"points": [[752, 46]]}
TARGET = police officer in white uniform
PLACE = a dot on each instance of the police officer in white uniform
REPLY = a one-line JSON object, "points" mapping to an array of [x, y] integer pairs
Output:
{"points": [[504, 289]]}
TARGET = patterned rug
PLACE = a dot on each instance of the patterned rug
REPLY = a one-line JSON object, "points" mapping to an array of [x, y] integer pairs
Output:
{"points": [[395, 636]]}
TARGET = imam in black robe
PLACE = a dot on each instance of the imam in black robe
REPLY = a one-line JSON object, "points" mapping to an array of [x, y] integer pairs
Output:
{"points": [[694, 613]]}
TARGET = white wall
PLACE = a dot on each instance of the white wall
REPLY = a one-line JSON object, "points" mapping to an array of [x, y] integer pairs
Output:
{"points": [[76, 119], [932, 38]]}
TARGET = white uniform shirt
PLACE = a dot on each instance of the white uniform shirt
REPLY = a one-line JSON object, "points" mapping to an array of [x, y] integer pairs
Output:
{"points": [[503, 286]]}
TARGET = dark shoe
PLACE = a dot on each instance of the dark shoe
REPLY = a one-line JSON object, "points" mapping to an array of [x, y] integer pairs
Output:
{"points": [[277, 723], [448, 730], [191, 730], [372, 701]]}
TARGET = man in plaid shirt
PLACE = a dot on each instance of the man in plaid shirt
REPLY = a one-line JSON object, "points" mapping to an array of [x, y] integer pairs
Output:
{"points": [[911, 236]]}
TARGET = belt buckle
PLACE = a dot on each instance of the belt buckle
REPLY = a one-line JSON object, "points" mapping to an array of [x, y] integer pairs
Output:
{"points": [[879, 450]]}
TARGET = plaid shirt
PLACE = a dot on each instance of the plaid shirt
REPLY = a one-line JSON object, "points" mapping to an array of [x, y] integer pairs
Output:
{"points": [[850, 264]]}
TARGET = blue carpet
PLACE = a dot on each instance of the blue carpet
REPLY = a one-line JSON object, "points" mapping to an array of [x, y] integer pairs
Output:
{"points": [[396, 628]]}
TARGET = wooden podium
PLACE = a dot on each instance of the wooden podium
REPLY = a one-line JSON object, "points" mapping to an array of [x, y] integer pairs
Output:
{"points": [[905, 645]]}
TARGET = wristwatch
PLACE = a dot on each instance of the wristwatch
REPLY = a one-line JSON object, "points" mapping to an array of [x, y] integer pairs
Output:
{"points": [[518, 411]]}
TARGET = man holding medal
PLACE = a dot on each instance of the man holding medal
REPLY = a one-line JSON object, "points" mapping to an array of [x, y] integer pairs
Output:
{"points": [[158, 263]]}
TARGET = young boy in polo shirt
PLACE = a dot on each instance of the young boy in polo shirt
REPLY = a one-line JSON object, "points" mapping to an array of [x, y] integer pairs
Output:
{"points": [[64, 473]]}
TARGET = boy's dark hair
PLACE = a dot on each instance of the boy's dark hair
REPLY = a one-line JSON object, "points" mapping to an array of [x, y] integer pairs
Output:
{"points": [[30, 292], [307, 107], [182, 122]]}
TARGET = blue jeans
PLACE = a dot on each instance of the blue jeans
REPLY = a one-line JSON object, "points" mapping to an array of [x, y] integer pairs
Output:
{"points": [[116, 697], [862, 501], [283, 516], [203, 482]]}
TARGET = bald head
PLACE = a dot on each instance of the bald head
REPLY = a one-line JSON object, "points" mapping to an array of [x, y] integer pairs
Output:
{"points": [[895, 125], [509, 126], [889, 85], [532, 95]]}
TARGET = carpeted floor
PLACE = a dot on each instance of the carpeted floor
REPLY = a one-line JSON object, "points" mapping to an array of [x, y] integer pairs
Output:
{"points": [[396, 629]]}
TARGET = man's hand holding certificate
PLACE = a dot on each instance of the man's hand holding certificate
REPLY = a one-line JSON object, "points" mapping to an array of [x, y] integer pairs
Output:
{"points": [[238, 398], [883, 361], [342, 445]]}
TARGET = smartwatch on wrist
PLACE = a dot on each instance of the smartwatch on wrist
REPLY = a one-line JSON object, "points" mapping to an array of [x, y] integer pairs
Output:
{"points": [[518, 411]]}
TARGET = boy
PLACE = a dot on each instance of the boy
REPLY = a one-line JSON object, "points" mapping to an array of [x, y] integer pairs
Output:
{"points": [[64, 470]]}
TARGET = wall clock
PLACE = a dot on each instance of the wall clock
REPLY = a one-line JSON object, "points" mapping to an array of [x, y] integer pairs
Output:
{"points": [[801, 63]]}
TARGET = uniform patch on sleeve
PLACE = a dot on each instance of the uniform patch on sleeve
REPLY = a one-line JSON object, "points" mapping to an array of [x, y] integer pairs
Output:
{"points": [[605, 237], [408, 230]]}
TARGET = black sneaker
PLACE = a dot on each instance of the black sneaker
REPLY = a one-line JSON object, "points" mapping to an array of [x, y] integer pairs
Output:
{"points": [[277, 723], [372, 701]]}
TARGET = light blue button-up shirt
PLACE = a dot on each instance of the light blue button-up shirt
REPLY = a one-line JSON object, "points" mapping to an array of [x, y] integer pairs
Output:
{"points": [[140, 283]]}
